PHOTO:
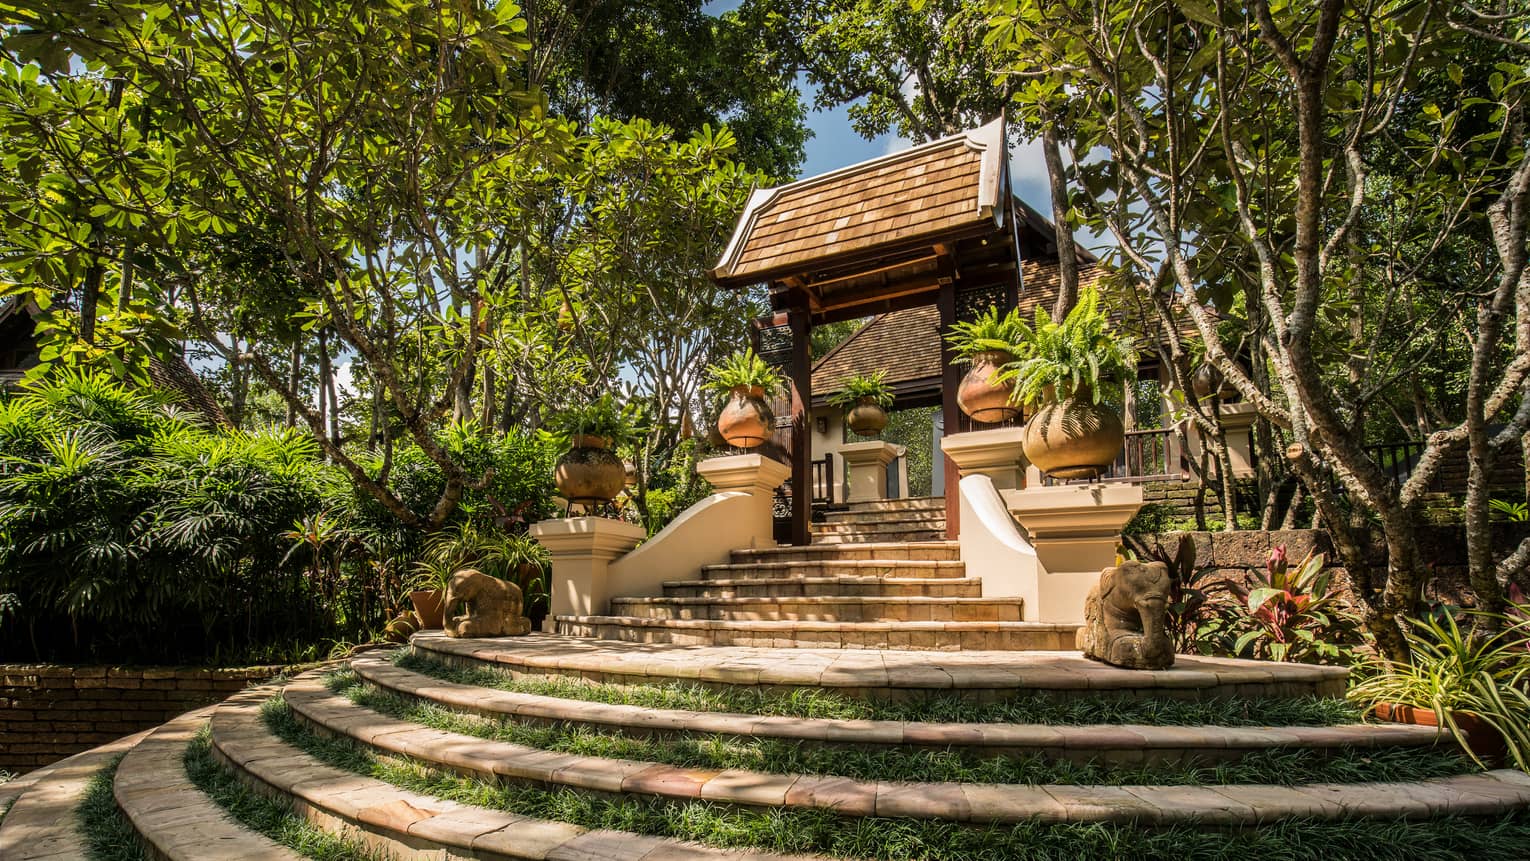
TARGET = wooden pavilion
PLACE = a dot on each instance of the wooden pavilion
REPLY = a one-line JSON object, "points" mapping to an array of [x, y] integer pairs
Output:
{"points": [[936, 224]]}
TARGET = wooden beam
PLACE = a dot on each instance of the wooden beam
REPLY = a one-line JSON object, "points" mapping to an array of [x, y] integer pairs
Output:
{"points": [[951, 379], [802, 447]]}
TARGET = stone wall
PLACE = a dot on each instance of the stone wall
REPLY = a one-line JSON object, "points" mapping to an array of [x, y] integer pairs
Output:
{"points": [[1234, 554], [48, 712]]}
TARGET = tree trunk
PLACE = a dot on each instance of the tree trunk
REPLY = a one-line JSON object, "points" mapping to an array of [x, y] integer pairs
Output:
{"points": [[295, 380], [1067, 255]]}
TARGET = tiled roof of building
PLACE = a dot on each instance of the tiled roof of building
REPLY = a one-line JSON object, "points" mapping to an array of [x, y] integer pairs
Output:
{"points": [[934, 189], [906, 344]]}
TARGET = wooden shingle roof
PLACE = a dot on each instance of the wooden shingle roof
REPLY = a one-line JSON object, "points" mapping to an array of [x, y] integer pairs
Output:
{"points": [[936, 189]]}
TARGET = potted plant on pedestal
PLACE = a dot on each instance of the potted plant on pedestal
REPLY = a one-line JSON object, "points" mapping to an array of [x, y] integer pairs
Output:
{"points": [[1060, 369], [589, 472], [987, 344], [746, 380], [865, 399]]}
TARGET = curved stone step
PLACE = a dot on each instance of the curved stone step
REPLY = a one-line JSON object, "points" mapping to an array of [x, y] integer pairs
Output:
{"points": [[768, 569], [823, 608], [43, 822], [1110, 743], [409, 825], [815, 587], [927, 551], [871, 673], [1231, 805], [883, 635], [175, 819]]}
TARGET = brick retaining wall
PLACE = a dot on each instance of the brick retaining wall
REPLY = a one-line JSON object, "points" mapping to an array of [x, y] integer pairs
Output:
{"points": [[48, 712], [1233, 554]]}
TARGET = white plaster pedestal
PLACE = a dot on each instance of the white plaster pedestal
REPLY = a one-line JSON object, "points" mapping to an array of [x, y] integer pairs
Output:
{"points": [[1075, 530], [866, 463], [582, 549], [754, 474], [996, 453]]}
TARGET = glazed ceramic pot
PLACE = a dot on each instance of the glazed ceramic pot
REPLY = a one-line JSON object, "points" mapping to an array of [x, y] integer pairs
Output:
{"points": [[981, 396], [745, 420], [867, 417], [1074, 438], [589, 473]]}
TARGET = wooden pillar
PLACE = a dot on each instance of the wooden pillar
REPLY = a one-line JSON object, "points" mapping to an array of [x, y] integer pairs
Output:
{"points": [[950, 381], [802, 444]]}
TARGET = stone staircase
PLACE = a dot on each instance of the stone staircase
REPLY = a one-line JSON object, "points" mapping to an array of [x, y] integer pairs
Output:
{"points": [[886, 521], [879, 575], [407, 818]]}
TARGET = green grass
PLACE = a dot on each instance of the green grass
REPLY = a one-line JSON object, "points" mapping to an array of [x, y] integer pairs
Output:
{"points": [[811, 703], [109, 836], [265, 815], [777, 756], [888, 839]]}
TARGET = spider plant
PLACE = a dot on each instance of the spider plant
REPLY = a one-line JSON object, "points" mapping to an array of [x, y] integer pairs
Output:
{"points": [[1452, 673]]}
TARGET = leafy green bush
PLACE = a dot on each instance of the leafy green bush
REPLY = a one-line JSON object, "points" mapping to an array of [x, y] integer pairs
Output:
{"points": [[131, 532], [1295, 613]]}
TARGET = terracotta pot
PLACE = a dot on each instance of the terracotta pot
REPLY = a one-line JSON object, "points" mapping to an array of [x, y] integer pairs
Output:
{"points": [[1074, 438], [589, 474], [1481, 738], [745, 421], [589, 440], [981, 396], [867, 417], [430, 606]]}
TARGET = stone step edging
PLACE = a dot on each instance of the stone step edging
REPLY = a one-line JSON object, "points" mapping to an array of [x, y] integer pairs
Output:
{"points": [[1492, 793], [43, 822], [1106, 742], [400, 822], [175, 820], [871, 672]]}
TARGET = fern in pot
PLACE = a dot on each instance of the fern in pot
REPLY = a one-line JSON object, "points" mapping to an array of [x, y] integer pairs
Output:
{"points": [[745, 380], [987, 344], [1061, 372], [589, 472], [865, 399]]}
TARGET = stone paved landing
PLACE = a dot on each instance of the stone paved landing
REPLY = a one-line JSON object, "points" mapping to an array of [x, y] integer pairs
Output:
{"points": [[871, 671]]}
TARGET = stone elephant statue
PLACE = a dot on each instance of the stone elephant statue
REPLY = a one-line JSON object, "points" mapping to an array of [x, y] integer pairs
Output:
{"points": [[478, 605], [1125, 617]]}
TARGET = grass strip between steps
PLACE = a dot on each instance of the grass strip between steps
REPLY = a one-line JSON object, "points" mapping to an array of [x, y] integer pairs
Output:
{"points": [[781, 756], [1032, 708], [896, 839], [109, 836], [265, 815]]}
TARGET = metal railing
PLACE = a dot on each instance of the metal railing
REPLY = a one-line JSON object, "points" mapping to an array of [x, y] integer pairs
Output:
{"points": [[1397, 459], [1148, 455]]}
